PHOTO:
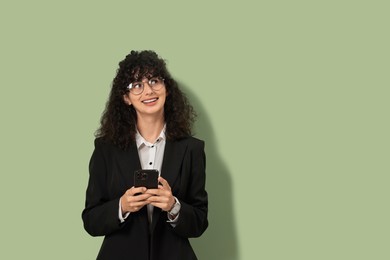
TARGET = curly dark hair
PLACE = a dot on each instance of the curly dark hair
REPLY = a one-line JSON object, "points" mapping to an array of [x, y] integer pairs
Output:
{"points": [[118, 121]]}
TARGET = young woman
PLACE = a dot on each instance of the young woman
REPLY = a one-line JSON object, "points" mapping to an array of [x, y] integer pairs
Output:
{"points": [[146, 125]]}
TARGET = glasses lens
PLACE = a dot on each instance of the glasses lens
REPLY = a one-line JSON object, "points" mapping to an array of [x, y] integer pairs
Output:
{"points": [[136, 88], [156, 83]]}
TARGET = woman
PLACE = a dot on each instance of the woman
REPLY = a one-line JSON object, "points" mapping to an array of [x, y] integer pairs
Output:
{"points": [[146, 125]]}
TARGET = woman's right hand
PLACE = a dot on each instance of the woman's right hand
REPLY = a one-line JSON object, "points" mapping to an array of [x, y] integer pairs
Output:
{"points": [[130, 202]]}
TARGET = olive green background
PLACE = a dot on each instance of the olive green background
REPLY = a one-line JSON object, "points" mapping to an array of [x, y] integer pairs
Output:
{"points": [[293, 103]]}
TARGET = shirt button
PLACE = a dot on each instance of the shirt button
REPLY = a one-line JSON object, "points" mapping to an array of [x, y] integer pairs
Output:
{"points": [[150, 163], [152, 146]]}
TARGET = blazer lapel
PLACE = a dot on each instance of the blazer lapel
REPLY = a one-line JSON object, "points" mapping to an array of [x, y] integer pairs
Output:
{"points": [[173, 158], [170, 169], [129, 162]]}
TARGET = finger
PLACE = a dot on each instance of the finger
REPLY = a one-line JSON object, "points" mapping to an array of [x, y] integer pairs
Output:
{"points": [[164, 183], [135, 198], [140, 197], [152, 199], [133, 207], [157, 199], [154, 192], [159, 192], [134, 190]]}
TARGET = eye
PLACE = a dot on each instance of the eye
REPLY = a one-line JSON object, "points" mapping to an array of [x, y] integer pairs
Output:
{"points": [[136, 85], [154, 81]]}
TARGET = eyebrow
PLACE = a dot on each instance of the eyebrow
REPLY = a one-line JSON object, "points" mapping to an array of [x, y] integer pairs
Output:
{"points": [[148, 73], [148, 77]]}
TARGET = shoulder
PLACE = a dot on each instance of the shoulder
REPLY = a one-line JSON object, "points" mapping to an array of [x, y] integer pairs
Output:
{"points": [[101, 142], [192, 142], [105, 144]]}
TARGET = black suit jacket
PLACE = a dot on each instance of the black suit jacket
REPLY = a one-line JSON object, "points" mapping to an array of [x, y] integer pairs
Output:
{"points": [[111, 174]]}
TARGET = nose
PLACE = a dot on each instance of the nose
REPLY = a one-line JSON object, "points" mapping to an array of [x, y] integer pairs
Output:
{"points": [[147, 88]]}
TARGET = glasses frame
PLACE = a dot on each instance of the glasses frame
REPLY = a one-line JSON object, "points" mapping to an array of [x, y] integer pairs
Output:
{"points": [[154, 86]]}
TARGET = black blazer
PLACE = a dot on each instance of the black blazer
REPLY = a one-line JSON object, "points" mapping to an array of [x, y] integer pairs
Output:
{"points": [[111, 174]]}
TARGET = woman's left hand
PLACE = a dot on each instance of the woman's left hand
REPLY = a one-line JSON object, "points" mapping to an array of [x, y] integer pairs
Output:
{"points": [[163, 197]]}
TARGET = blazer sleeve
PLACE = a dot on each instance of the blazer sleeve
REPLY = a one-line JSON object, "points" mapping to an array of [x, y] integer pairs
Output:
{"points": [[192, 220], [100, 215]]}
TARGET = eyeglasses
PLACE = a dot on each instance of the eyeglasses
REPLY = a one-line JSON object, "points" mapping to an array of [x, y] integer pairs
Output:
{"points": [[137, 88]]}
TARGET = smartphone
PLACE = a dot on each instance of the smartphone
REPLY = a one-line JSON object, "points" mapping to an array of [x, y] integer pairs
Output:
{"points": [[146, 178]]}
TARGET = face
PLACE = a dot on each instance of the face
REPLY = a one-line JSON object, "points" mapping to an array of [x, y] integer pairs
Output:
{"points": [[152, 99]]}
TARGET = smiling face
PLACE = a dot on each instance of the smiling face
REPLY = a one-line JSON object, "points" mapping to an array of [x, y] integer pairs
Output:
{"points": [[150, 102]]}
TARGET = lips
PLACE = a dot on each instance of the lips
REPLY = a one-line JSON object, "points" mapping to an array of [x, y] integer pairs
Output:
{"points": [[148, 101]]}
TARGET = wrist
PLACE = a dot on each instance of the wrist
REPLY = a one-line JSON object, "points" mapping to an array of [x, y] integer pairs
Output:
{"points": [[174, 210], [172, 205]]}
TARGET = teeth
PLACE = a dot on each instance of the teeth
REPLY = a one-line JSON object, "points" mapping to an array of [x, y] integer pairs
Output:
{"points": [[149, 100]]}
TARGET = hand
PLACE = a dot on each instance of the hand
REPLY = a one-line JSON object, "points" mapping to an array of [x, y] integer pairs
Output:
{"points": [[133, 203], [161, 197]]}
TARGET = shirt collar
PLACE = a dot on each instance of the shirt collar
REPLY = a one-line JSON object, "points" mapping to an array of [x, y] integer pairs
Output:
{"points": [[141, 141]]}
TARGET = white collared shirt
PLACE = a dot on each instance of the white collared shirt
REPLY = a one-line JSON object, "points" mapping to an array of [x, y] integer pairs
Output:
{"points": [[151, 157]]}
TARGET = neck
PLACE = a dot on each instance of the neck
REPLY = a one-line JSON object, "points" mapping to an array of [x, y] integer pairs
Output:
{"points": [[150, 127]]}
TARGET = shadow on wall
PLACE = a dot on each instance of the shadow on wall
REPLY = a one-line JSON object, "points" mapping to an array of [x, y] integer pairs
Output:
{"points": [[220, 239]]}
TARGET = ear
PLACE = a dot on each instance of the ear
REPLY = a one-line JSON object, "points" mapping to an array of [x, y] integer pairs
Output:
{"points": [[126, 99]]}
